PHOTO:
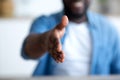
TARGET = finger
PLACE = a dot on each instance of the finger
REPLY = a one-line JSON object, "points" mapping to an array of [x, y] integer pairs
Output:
{"points": [[60, 56], [63, 56], [55, 49], [63, 24], [57, 45], [57, 56]]}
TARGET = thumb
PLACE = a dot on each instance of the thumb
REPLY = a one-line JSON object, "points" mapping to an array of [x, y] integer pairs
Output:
{"points": [[63, 23]]}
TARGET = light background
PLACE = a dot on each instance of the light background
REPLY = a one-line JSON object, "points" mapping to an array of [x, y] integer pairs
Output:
{"points": [[14, 30]]}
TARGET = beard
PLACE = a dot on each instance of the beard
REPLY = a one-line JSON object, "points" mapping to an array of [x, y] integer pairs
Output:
{"points": [[70, 14]]}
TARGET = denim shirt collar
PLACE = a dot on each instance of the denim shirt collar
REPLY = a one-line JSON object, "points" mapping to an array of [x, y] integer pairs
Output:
{"points": [[89, 17]]}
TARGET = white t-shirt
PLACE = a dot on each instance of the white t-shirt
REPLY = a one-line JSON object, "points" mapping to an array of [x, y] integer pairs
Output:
{"points": [[77, 49]]}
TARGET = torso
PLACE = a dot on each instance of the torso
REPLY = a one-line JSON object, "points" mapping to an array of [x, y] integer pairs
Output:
{"points": [[77, 49]]}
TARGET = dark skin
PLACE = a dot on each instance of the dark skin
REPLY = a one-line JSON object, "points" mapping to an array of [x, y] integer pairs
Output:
{"points": [[38, 44], [76, 13]]}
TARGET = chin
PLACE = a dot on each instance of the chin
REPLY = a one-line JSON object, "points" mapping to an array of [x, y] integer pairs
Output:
{"points": [[76, 14]]}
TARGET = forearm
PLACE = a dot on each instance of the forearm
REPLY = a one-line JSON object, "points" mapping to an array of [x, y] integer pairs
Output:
{"points": [[36, 45]]}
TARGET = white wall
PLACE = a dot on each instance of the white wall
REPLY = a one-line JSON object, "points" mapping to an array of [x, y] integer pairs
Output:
{"points": [[13, 32], [36, 7]]}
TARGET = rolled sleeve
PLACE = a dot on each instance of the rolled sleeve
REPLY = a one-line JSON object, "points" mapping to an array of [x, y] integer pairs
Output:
{"points": [[40, 25], [23, 54]]}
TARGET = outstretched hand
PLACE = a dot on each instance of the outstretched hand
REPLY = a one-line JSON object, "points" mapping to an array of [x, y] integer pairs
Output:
{"points": [[54, 43]]}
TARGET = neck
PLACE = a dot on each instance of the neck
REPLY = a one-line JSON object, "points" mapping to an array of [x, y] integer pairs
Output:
{"points": [[78, 20]]}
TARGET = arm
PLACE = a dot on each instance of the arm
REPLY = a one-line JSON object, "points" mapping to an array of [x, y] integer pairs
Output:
{"points": [[37, 44]]}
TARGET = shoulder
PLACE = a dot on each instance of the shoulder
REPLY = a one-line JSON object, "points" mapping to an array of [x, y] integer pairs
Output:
{"points": [[106, 30], [101, 22], [50, 20], [53, 17], [44, 23], [98, 19]]}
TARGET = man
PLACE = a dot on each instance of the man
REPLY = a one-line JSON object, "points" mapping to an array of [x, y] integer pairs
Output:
{"points": [[74, 42]]}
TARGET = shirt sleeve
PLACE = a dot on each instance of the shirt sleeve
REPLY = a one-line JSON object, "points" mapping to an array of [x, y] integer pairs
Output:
{"points": [[115, 66], [40, 25]]}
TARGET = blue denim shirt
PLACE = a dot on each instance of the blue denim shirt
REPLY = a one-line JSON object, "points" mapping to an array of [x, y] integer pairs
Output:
{"points": [[105, 44]]}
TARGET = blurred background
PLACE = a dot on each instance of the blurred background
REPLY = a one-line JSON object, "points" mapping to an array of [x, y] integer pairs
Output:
{"points": [[16, 17]]}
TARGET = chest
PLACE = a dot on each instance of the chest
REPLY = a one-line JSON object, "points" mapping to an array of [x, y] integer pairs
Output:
{"points": [[77, 42]]}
